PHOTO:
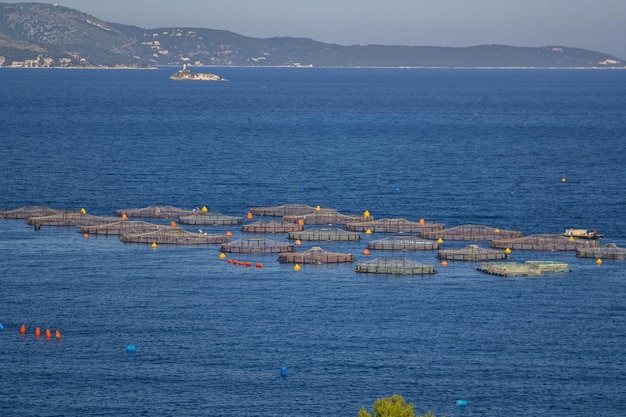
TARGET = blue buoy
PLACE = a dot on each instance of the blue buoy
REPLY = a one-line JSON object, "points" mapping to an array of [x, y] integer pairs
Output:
{"points": [[283, 371], [397, 190], [1, 326], [461, 403], [131, 348]]}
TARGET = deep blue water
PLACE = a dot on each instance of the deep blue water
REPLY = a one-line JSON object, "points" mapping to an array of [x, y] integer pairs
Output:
{"points": [[451, 146]]}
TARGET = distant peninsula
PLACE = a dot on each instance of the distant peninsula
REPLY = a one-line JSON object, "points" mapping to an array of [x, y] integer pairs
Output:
{"points": [[187, 75], [41, 35]]}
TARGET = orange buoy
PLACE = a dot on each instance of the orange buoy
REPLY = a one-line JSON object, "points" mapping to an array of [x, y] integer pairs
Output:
{"points": [[366, 252], [37, 332], [229, 233], [173, 224], [297, 242], [300, 222], [249, 216], [48, 334], [444, 263], [124, 216], [23, 329], [230, 261], [422, 222], [248, 263], [57, 334], [259, 265], [86, 235]]}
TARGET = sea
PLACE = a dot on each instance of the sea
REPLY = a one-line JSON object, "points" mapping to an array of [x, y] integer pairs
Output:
{"points": [[179, 331]]}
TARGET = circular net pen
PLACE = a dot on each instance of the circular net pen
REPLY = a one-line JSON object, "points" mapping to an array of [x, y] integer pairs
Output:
{"points": [[315, 255], [393, 226], [395, 266], [325, 234], [174, 236], [256, 245], [272, 226], [403, 243], [154, 212], [474, 232], [608, 251], [70, 219], [121, 227], [200, 218], [284, 210], [27, 212], [544, 242], [472, 253], [326, 216]]}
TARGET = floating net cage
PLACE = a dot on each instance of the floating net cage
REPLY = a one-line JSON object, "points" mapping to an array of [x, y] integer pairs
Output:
{"points": [[256, 245], [284, 210], [315, 255], [154, 212], [471, 232], [203, 218], [472, 253], [608, 251], [528, 268], [272, 226], [397, 266], [325, 234], [403, 243], [121, 227], [545, 242], [326, 216], [70, 219], [174, 236], [27, 212], [393, 226]]}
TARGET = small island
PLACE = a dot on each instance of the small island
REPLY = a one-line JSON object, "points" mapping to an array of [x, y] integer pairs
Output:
{"points": [[185, 74]]}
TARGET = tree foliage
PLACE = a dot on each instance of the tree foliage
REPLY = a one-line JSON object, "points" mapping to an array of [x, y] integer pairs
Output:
{"points": [[394, 406]]}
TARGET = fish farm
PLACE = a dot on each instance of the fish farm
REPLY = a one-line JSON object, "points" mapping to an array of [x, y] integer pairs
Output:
{"points": [[26, 212], [528, 268], [284, 210], [154, 212], [472, 253], [608, 251], [174, 236], [394, 266], [393, 226], [325, 216], [70, 219], [272, 226], [474, 232], [325, 234], [315, 255], [403, 243], [545, 242], [120, 228], [256, 245], [203, 218]]}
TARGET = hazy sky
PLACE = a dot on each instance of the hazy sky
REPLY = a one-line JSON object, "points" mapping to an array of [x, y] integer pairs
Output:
{"points": [[598, 25]]}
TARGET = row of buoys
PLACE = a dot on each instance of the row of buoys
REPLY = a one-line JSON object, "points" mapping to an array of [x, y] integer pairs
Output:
{"points": [[47, 333], [242, 263]]}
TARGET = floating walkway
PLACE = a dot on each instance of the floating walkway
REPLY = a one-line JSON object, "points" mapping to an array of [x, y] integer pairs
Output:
{"points": [[174, 236], [327, 217], [528, 268], [475, 232], [121, 227], [545, 242], [393, 226], [154, 212], [204, 218], [403, 243], [272, 226], [608, 251], [472, 253], [27, 212], [70, 219], [315, 255], [325, 234], [396, 266], [284, 210], [256, 245]]}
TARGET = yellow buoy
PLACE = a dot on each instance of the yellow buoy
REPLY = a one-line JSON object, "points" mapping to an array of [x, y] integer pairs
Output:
{"points": [[507, 251], [154, 245], [440, 240], [368, 232], [599, 261], [497, 230], [318, 208], [571, 238], [297, 267], [83, 211], [222, 255], [204, 209], [366, 213]]}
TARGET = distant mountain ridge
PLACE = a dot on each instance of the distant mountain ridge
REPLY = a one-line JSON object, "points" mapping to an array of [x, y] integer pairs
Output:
{"points": [[46, 35]]}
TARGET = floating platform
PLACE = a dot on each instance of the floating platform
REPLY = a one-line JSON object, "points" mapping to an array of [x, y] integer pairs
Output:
{"points": [[121, 227], [327, 217], [396, 266], [203, 218], [284, 210], [70, 219], [528, 268], [155, 212], [472, 253], [475, 232], [315, 255], [325, 234], [27, 212], [256, 245], [393, 226], [174, 236], [545, 242], [608, 251], [272, 226], [403, 243]]}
